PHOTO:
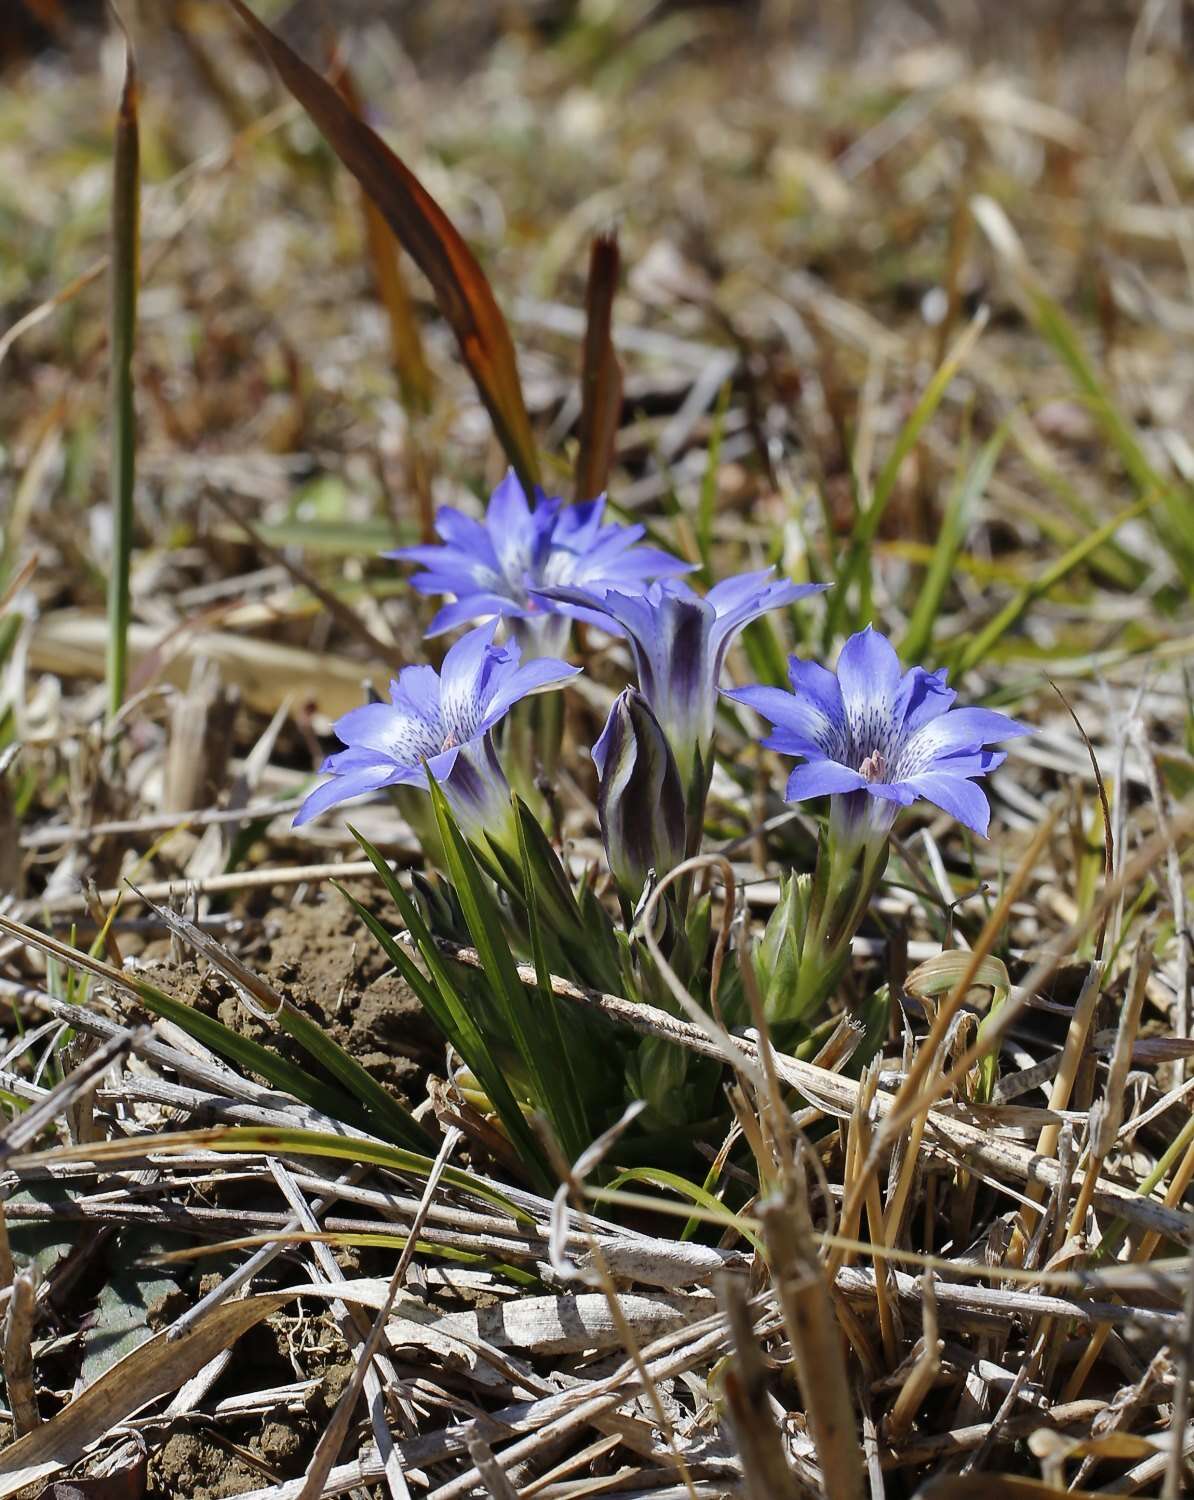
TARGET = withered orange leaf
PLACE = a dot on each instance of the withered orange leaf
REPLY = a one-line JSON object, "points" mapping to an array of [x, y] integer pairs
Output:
{"points": [[461, 289], [600, 374]]}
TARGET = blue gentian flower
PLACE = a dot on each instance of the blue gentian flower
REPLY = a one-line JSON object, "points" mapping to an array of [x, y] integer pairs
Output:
{"points": [[679, 643], [494, 567], [440, 722], [875, 739]]}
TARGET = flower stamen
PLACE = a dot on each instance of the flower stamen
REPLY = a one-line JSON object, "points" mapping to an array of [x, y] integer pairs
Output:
{"points": [[874, 767]]}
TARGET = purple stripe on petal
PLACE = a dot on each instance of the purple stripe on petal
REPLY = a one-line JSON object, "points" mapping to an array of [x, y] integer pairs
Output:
{"points": [[796, 716], [923, 697], [868, 673], [960, 729]]}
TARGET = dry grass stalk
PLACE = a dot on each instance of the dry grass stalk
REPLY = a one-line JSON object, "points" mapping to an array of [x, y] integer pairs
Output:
{"points": [[747, 1388], [1108, 1115], [816, 1340], [924, 1372], [18, 1352]]}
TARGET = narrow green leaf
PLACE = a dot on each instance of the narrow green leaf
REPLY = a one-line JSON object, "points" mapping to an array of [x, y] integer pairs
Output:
{"points": [[954, 526], [707, 500], [443, 1002], [1174, 517], [290, 1140], [532, 1043], [242, 1051], [575, 1133], [657, 1177], [387, 1115], [854, 568], [126, 210], [245, 1053], [980, 645]]}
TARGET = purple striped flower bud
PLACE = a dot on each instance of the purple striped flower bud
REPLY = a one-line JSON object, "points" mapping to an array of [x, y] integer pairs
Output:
{"points": [[640, 799]]}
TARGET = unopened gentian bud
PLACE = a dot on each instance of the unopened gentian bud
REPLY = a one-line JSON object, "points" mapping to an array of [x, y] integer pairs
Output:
{"points": [[640, 798], [777, 958]]}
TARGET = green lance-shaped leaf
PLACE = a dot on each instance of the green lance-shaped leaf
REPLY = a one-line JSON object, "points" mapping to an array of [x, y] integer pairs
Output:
{"points": [[443, 1002], [425, 231], [282, 1140], [528, 1028]]}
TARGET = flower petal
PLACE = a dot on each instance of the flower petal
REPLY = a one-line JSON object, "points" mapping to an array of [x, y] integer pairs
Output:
{"points": [[625, 565], [738, 601], [417, 692], [341, 788], [811, 680], [399, 736], [868, 673], [959, 729], [465, 669], [923, 697], [822, 778], [969, 763], [899, 792], [796, 718], [962, 799], [473, 607], [511, 526], [535, 676], [465, 534]]}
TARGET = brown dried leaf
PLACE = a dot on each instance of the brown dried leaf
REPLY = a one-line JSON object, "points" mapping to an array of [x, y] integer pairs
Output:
{"points": [[600, 374]]}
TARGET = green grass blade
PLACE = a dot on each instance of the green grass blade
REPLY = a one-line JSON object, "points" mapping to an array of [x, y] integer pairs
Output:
{"points": [[1009, 616], [448, 1009], [247, 1054], [387, 1115], [707, 500], [126, 207], [657, 1177], [575, 1133], [532, 1038], [954, 526], [239, 1050], [292, 1141], [855, 567], [1174, 518]]}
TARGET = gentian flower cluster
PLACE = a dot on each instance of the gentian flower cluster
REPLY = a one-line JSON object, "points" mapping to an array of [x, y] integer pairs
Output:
{"points": [[871, 737], [441, 723], [499, 566]]}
